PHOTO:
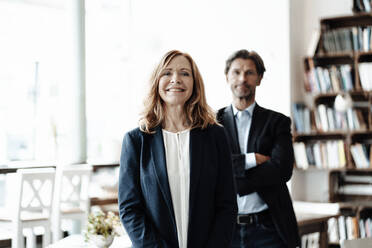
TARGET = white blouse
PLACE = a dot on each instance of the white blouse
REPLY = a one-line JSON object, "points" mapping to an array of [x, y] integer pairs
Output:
{"points": [[178, 167]]}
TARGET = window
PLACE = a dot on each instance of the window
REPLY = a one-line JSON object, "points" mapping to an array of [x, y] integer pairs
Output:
{"points": [[33, 88], [124, 39]]}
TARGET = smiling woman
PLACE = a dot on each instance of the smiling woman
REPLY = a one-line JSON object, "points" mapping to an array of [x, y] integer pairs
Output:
{"points": [[175, 182]]}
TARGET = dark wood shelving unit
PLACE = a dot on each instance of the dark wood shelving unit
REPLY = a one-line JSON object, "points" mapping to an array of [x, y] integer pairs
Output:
{"points": [[357, 205]]}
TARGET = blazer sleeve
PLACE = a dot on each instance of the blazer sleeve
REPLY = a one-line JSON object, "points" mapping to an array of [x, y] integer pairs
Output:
{"points": [[278, 169], [131, 207], [226, 206]]}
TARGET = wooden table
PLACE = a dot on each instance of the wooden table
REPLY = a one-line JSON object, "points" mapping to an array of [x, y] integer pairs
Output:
{"points": [[78, 241], [5, 169], [14, 166], [313, 223]]}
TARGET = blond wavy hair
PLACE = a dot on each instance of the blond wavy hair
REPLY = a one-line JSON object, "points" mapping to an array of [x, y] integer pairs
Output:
{"points": [[197, 111]]}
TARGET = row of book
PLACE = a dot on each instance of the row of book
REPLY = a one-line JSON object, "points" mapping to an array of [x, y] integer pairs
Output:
{"points": [[321, 154], [331, 154], [328, 119], [348, 227], [365, 75], [348, 39], [334, 78]]}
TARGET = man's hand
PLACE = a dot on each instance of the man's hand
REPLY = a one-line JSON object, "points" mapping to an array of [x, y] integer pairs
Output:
{"points": [[261, 158]]}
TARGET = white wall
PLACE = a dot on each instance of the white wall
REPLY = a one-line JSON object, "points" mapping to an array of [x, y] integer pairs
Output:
{"points": [[305, 17], [210, 31], [310, 185]]}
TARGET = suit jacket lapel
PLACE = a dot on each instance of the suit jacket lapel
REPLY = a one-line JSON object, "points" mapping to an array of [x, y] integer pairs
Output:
{"points": [[159, 163], [196, 163], [229, 124], [256, 124]]}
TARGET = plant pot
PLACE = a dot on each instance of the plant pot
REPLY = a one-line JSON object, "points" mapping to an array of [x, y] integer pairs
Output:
{"points": [[100, 241]]}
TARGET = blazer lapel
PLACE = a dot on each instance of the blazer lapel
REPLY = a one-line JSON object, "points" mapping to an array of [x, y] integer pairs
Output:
{"points": [[229, 124], [196, 163], [257, 123], [160, 167]]}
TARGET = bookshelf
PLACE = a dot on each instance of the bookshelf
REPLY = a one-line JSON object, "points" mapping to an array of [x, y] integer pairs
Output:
{"points": [[333, 131]]}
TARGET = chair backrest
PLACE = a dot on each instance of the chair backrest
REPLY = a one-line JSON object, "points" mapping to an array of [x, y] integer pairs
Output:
{"points": [[34, 192], [72, 186], [357, 243]]}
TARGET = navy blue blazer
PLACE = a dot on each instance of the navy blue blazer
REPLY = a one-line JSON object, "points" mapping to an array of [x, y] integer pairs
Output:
{"points": [[270, 135], [145, 203]]}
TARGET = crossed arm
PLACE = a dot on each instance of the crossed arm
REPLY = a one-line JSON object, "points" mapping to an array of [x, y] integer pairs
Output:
{"points": [[272, 169]]}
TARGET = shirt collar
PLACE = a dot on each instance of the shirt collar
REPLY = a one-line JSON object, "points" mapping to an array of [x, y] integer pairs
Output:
{"points": [[249, 109]]}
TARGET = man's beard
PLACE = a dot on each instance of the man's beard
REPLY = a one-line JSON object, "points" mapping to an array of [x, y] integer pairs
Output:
{"points": [[248, 95]]}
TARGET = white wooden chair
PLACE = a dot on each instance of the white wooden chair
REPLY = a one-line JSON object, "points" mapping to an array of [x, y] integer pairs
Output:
{"points": [[31, 206], [71, 200], [357, 243]]}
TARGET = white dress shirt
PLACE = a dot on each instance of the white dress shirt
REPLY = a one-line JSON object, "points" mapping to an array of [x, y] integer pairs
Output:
{"points": [[251, 203], [177, 152]]}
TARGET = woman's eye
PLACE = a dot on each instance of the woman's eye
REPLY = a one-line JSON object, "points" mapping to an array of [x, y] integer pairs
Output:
{"points": [[186, 74], [167, 73]]}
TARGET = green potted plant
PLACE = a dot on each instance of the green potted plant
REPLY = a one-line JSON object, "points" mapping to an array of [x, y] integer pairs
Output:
{"points": [[102, 228]]}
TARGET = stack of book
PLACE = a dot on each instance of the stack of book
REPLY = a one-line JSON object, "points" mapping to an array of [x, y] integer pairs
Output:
{"points": [[355, 185]]}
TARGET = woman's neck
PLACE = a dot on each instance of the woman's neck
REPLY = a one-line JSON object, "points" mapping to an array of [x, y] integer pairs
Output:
{"points": [[175, 119]]}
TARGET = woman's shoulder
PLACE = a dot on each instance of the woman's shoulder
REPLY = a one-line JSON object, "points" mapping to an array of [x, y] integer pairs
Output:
{"points": [[214, 129], [135, 133], [139, 134]]}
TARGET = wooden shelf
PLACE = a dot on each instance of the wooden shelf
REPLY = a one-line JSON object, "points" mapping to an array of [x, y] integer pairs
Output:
{"points": [[354, 93], [340, 169], [320, 136], [338, 70], [350, 55], [331, 134], [362, 19]]}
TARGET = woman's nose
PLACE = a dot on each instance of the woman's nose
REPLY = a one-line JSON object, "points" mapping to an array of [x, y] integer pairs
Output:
{"points": [[175, 78]]}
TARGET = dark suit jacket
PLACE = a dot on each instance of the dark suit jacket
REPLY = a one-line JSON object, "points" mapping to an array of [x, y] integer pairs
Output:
{"points": [[145, 202], [270, 135]]}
